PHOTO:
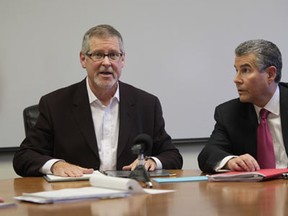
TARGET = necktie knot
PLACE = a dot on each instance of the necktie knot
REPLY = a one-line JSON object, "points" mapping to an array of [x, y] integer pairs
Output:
{"points": [[264, 113]]}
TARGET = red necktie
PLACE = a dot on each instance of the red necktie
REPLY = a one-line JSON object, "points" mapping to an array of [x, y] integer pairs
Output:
{"points": [[265, 149]]}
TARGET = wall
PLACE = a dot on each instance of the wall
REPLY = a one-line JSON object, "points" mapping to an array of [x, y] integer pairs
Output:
{"points": [[182, 51]]}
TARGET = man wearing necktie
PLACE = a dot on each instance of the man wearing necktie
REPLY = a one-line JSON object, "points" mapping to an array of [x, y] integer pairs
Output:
{"points": [[251, 132]]}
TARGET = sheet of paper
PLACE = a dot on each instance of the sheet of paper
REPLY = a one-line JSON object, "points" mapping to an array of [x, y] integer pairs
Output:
{"points": [[157, 191], [72, 194], [54, 178]]}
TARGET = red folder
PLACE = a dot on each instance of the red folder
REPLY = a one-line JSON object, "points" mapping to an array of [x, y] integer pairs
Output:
{"points": [[260, 175]]}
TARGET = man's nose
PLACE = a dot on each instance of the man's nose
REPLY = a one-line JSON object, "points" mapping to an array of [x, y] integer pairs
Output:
{"points": [[237, 78], [106, 61]]}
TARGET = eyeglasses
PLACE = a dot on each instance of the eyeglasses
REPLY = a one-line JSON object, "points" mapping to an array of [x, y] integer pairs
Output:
{"points": [[98, 56]]}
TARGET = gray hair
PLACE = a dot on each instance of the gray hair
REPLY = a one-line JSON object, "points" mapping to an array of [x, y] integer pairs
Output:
{"points": [[267, 54], [101, 31]]}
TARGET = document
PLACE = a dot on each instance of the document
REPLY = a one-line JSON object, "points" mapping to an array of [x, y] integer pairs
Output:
{"points": [[114, 173], [260, 175], [102, 187], [54, 178]]}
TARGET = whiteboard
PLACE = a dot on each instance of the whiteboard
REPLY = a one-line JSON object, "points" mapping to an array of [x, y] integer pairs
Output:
{"points": [[181, 51]]}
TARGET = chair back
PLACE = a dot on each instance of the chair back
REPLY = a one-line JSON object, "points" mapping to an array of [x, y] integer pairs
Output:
{"points": [[30, 116]]}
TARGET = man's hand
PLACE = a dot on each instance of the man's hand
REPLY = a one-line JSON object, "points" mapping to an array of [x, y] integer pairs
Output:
{"points": [[62, 168], [243, 163], [150, 165]]}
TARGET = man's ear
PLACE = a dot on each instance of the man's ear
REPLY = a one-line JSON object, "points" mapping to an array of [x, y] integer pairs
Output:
{"points": [[123, 59], [271, 71], [82, 60]]}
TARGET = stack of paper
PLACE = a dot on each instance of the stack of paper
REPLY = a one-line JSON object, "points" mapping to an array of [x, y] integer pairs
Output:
{"points": [[260, 175], [102, 187]]}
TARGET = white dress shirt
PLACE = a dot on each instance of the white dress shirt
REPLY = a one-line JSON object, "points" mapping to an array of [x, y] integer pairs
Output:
{"points": [[106, 126]]}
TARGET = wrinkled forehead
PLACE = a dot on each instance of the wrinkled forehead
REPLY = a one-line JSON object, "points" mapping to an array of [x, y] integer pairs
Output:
{"points": [[100, 43]]}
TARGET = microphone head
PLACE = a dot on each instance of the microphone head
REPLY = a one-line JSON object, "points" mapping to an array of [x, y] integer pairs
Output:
{"points": [[142, 143]]}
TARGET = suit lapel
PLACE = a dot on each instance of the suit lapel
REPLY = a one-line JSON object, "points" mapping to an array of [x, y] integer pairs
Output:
{"points": [[250, 124], [284, 113], [127, 111], [83, 116]]}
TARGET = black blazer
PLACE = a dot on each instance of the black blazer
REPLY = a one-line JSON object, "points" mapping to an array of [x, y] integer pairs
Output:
{"points": [[235, 131], [65, 130]]}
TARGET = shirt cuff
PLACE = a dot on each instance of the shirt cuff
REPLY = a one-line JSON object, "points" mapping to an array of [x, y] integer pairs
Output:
{"points": [[46, 168], [223, 162], [157, 161]]}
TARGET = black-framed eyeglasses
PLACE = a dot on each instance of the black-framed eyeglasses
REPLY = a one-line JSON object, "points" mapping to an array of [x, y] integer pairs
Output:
{"points": [[98, 56]]}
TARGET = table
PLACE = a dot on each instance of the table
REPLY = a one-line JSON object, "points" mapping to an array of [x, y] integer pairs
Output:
{"points": [[190, 198]]}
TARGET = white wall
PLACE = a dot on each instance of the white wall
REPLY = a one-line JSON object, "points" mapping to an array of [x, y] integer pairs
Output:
{"points": [[182, 51]]}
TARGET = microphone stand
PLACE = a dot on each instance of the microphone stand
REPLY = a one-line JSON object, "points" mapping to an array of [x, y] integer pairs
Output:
{"points": [[140, 173]]}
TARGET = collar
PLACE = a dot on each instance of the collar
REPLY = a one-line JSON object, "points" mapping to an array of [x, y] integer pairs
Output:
{"points": [[273, 105], [93, 98]]}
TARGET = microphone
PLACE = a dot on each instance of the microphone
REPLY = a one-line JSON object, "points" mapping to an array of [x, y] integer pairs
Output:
{"points": [[141, 145]]}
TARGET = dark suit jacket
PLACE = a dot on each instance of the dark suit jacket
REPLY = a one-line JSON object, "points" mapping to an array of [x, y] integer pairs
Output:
{"points": [[65, 130], [235, 131]]}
